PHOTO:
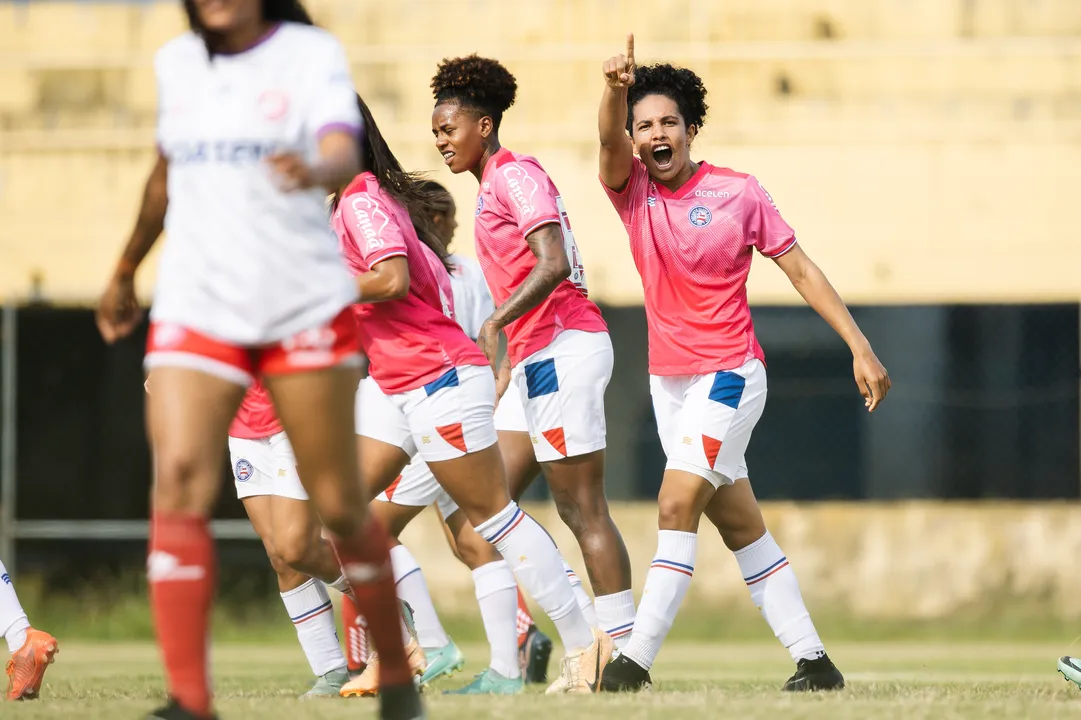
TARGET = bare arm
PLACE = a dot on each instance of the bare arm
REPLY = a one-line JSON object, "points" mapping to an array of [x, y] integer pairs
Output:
{"points": [[339, 162], [617, 149], [552, 268], [150, 222], [118, 310], [388, 280], [815, 288]]}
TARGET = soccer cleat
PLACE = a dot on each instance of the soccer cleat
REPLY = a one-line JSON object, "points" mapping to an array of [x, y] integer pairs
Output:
{"points": [[625, 675], [27, 665], [581, 673], [1070, 667], [174, 711], [533, 656], [444, 661], [401, 702], [367, 683], [490, 682], [815, 675], [328, 685]]}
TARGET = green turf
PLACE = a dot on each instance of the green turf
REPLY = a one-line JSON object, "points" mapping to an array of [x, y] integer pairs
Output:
{"points": [[903, 680]]}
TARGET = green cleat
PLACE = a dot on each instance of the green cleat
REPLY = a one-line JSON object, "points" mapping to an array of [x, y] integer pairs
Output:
{"points": [[327, 685], [444, 661], [490, 682]]}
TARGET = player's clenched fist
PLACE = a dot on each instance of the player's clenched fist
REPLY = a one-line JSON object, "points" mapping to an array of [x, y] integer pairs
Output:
{"points": [[619, 70]]}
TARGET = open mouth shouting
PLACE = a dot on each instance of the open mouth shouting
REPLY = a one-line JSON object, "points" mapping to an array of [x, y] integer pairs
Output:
{"points": [[662, 156]]}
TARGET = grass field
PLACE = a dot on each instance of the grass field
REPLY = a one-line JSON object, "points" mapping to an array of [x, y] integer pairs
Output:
{"points": [[908, 680]]}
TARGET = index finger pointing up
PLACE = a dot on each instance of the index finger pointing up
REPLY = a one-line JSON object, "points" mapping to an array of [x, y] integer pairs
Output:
{"points": [[630, 49]]}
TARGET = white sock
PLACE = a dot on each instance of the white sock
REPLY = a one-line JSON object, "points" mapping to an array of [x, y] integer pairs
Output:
{"points": [[585, 603], [776, 594], [414, 590], [13, 622], [535, 561], [615, 615], [497, 594], [312, 613], [667, 581], [341, 585]]}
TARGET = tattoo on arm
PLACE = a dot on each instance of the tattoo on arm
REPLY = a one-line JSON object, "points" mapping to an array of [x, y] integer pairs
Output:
{"points": [[552, 268]]}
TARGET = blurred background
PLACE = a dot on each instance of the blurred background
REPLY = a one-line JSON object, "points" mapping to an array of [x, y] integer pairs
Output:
{"points": [[928, 153]]}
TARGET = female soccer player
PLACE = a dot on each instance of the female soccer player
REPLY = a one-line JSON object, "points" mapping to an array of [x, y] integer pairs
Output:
{"points": [[258, 116], [265, 473], [32, 651], [557, 342], [692, 229], [430, 393]]}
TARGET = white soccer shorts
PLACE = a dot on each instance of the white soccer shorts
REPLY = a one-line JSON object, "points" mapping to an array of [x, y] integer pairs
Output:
{"points": [[417, 487], [265, 466], [446, 419], [705, 421], [557, 396]]}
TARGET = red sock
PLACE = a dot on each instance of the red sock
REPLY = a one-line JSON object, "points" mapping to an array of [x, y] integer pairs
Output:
{"points": [[356, 636], [525, 619], [365, 559], [181, 571]]}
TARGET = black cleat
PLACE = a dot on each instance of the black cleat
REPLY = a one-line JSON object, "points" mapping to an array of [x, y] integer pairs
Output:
{"points": [[625, 675], [533, 656], [815, 675], [174, 711], [400, 702]]}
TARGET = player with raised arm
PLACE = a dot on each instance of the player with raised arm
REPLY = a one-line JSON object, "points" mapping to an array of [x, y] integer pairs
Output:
{"points": [[257, 120], [431, 393], [559, 356], [693, 229], [32, 651]]}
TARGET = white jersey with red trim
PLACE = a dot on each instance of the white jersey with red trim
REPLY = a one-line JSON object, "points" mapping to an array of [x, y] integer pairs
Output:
{"points": [[245, 262]]}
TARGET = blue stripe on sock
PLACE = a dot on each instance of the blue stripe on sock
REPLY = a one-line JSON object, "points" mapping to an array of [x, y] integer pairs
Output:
{"points": [[669, 562], [497, 533], [304, 616], [752, 577]]}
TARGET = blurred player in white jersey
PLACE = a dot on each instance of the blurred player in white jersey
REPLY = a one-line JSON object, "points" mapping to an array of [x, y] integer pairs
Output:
{"points": [[257, 122], [31, 650]]}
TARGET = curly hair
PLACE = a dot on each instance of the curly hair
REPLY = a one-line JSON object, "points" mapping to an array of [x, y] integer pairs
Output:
{"points": [[680, 85], [482, 84], [273, 11]]}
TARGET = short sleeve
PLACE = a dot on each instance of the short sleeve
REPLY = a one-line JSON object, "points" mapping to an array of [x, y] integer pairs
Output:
{"points": [[763, 226], [528, 193], [631, 196], [372, 227], [332, 97]]}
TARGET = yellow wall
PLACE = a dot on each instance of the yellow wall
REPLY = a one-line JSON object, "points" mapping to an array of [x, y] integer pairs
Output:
{"points": [[878, 561], [928, 152]]}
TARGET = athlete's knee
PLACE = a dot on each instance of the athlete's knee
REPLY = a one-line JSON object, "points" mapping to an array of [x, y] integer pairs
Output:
{"points": [[338, 502], [183, 482], [475, 551], [678, 511], [296, 548], [738, 530]]}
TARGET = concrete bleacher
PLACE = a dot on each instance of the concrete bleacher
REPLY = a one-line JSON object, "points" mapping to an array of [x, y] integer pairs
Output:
{"points": [[894, 126]]}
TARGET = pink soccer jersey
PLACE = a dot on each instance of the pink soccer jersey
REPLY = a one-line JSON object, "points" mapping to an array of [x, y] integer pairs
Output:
{"points": [[256, 417], [693, 249], [517, 197], [412, 341]]}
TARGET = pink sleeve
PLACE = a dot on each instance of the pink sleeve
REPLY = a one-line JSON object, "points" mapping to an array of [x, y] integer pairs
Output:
{"points": [[763, 225], [527, 192], [633, 194], [372, 227]]}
